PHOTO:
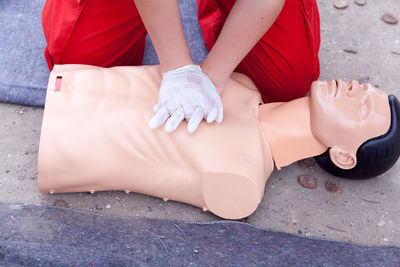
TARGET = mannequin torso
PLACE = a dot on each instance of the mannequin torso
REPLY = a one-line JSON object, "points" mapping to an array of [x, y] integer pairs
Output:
{"points": [[95, 137]]}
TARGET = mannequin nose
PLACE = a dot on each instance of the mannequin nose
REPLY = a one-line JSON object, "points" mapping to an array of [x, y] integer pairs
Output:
{"points": [[353, 89]]}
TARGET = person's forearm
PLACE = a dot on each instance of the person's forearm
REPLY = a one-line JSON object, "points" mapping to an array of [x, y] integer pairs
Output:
{"points": [[246, 24], [163, 23]]}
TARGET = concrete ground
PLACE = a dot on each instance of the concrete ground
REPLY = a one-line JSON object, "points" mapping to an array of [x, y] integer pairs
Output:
{"points": [[366, 212]]}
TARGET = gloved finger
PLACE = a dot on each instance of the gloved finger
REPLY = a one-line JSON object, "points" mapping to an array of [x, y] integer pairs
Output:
{"points": [[216, 97], [159, 118], [195, 119], [218, 101], [212, 116], [188, 108], [172, 106], [155, 108], [175, 119]]}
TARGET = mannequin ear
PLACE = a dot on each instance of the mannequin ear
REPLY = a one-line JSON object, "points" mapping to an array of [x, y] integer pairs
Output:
{"points": [[342, 158]]}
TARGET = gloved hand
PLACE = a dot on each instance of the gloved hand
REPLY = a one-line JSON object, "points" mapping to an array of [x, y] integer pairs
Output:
{"points": [[186, 93]]}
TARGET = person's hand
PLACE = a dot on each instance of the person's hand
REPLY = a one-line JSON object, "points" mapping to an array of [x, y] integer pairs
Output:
{"points": [[186, 93]]}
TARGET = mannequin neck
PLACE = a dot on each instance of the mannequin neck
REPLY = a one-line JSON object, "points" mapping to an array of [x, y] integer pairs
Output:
{"points": [[286, 126]]}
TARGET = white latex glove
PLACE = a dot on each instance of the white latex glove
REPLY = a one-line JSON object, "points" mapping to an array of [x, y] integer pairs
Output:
{"points": [[186, 93]]}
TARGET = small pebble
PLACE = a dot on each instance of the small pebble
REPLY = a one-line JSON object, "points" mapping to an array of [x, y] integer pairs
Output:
{"points": [[385, 239], [98, 207], [389, 18], [7, 171], [60, 203], [308, 181], [340, 4], [195, 251], [350, 50], [108, 206], [332, 187], [360, 2], [306, 163]]}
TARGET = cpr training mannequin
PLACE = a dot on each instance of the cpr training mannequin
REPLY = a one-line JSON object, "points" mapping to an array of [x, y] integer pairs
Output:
{"points": [[95, 136]]}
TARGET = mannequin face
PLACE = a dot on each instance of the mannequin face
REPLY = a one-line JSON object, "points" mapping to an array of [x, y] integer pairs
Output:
{"points": [[345, 115]]}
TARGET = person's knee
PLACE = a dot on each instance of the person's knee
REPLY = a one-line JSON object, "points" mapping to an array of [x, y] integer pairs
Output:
{"points": [[98, 33]]}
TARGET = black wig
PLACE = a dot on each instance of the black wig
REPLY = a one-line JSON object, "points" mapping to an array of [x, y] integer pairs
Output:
{"points": [[375, 156]]}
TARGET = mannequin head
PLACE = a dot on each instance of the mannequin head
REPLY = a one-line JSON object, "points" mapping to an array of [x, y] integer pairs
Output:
{"points": [[359, 124]]}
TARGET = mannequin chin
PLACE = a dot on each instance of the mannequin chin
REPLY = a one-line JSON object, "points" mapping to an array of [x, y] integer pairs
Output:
{"points": [[95, 137]]}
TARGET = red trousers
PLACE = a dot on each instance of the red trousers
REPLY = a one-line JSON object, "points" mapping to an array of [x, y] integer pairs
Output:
{"points": [[111, 33]]}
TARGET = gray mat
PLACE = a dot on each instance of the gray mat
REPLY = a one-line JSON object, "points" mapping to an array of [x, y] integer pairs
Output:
{"points": [[23, 70], [52, 236]]}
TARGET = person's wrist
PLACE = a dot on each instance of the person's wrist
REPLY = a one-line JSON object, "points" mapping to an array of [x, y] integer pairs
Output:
{"points": [[218, 77], [182, 69], [165, 67]]}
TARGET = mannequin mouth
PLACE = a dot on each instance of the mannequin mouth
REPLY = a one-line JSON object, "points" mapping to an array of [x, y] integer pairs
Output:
{"points": [[335, 88]]}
